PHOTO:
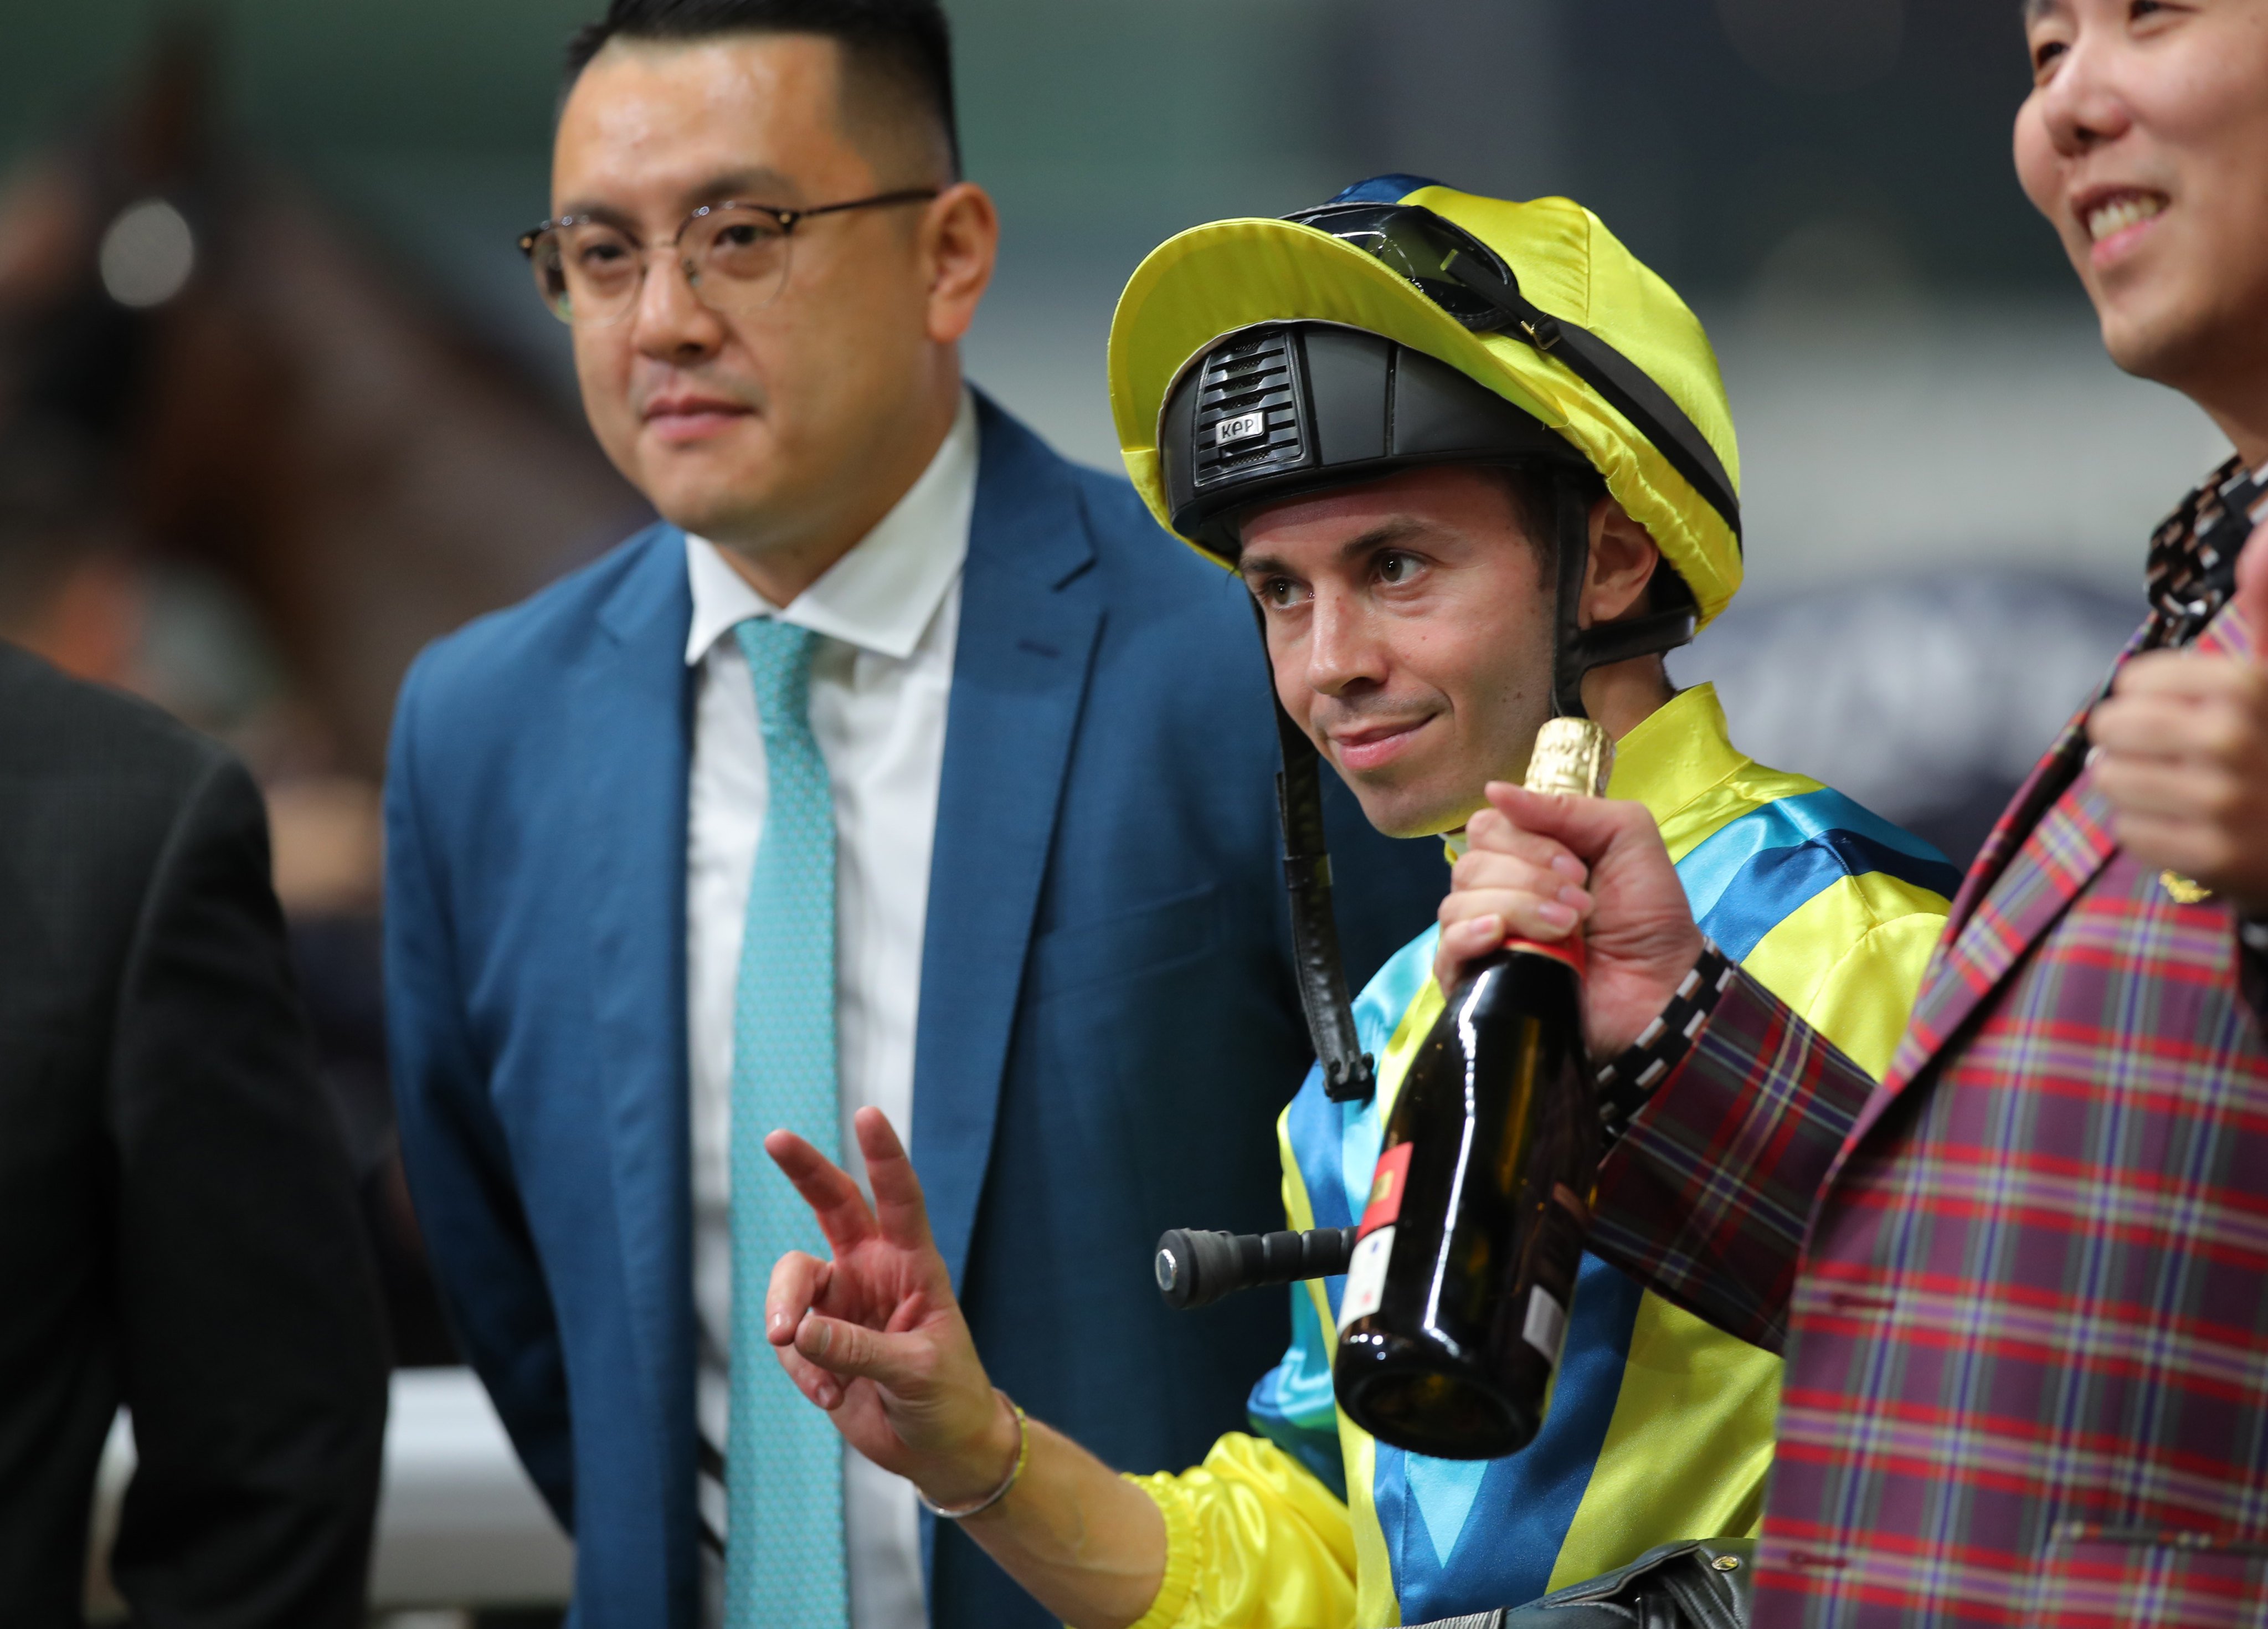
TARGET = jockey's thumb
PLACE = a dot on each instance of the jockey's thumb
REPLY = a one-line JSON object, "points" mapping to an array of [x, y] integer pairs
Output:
{"points": [[1588, 826], [896, 1362]]}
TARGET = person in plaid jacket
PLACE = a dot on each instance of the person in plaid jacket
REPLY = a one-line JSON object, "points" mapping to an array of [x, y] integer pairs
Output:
{"points": [[2021, 1286]]}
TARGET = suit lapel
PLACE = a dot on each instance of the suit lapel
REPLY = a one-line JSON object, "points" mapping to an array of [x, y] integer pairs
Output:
{"points": [[2041, 852], [631, 728], [1030, 612]]}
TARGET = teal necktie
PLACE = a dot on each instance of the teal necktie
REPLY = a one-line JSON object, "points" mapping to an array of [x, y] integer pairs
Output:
{"points": [[784, 1463]]}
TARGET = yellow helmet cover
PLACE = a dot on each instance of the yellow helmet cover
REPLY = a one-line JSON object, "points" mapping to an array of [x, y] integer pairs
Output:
{"points": [[1215, 280]]}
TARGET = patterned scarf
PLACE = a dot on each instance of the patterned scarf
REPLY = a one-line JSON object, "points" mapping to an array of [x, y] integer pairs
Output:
{"points": [[2192, 568]]}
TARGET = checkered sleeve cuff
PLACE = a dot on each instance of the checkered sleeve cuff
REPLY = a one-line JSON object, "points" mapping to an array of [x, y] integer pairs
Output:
{"points": [[1625, 1084]]}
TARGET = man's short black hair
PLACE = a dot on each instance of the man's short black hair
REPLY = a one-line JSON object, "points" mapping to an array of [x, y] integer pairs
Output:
{"points": [[897, 50]]}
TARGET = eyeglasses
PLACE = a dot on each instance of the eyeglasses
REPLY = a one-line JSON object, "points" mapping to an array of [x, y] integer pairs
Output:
{"points": [[734, 257]]}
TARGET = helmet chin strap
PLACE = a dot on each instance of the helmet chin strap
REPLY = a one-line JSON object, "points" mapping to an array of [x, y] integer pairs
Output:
{"points": [[1350, 1074], [1575, 649]]}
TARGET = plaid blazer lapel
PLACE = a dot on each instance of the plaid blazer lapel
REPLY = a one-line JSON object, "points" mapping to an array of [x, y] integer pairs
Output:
{"points": [[2014, 890], [2041, 852]]}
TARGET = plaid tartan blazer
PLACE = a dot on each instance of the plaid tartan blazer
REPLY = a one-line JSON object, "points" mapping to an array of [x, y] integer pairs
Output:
{"points": [[2021, 1286]]}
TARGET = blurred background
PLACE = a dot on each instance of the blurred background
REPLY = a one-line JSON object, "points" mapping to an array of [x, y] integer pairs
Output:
{"points": [[277, 403]]}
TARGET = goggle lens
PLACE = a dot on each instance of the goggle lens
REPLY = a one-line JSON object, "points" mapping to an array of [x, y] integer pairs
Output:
{"points": [[1417, 244]]}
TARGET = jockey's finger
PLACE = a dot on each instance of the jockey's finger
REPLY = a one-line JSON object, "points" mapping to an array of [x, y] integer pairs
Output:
{"points": [[799, 1279], [900, 1210], [827, 1188]]}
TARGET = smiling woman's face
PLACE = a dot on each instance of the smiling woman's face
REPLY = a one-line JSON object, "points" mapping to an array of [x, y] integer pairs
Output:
{"points": [[1410, 625], [2144, 143]]}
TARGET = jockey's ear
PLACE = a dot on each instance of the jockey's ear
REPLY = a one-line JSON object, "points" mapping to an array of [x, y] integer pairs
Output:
{"points": [[1623, 558]]}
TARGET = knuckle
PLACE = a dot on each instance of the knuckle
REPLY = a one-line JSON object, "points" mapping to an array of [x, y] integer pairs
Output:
{"points": [[2226, 733], [2221, 800]]}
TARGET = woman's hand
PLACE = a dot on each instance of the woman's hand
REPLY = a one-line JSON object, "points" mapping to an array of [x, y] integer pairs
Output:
{"points": [[1537, 866], [874, 1335]]}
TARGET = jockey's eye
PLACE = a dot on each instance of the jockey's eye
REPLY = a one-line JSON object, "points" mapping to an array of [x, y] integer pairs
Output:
{"points": [[1395, 568]]}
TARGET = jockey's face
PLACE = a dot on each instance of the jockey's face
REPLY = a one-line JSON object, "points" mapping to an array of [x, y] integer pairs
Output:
{"points": [[1410, 625], [2144, 143], [784, 432]]}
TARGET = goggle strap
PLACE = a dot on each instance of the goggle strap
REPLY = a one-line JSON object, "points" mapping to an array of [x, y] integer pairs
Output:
{"points": [[1350, 1073], [1626, 387]]}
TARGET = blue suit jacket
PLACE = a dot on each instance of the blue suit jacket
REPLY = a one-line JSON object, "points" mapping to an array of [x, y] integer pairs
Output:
{"points": [[1107, 1023]]}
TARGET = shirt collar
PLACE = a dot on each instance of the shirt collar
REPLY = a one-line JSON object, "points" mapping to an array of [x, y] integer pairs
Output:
{"points": [[1676, 753], [881, 596], [2192, 570]]}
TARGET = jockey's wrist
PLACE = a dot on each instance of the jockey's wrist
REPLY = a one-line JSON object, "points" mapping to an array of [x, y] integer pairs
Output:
{"points": [[983, 1475], [1626, 1082]]}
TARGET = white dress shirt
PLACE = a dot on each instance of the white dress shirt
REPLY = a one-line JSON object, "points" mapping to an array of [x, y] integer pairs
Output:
{"points": [[887, 614]]}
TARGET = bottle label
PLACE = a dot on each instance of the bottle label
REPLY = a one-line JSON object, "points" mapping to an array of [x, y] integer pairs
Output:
{"points": [[1390, 1176], [1546, 1327], [1365, 1283], [1568, 951]]}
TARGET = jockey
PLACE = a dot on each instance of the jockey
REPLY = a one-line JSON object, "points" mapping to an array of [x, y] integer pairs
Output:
{"points": [[1474, 463], [1406, 325]]}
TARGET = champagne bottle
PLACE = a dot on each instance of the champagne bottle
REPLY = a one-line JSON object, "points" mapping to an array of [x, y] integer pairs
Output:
{"points": [[1464, 1271]]}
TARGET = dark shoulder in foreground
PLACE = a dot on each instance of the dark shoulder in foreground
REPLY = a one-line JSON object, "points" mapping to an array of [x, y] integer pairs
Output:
{"points": [[65, 731]]}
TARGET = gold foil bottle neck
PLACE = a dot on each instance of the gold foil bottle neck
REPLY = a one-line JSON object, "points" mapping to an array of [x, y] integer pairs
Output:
{"points": [[1572, 758]]}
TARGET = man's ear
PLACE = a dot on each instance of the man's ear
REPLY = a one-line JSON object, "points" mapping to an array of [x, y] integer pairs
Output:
{"points": [[1622, 558], [960, 238]]}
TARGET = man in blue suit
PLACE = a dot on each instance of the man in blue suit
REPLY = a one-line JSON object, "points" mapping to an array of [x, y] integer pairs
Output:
{"points": [[902, 766]]}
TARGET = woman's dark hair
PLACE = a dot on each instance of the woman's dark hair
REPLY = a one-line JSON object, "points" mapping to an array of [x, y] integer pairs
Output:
{"points": [[897, 54]]}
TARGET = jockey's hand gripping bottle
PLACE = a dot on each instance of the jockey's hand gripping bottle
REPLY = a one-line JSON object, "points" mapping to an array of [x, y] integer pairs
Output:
{"points": [[1458, 1290]]}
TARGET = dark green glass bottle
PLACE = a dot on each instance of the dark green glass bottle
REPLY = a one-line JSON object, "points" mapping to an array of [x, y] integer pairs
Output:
{"points": [[1458, 1288]]}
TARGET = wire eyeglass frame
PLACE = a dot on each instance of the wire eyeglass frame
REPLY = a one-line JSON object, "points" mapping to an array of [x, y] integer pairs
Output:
{"points": [[732, 279]]}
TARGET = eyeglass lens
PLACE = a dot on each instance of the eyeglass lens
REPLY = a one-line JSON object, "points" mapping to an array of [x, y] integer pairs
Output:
{"points": [[734, 257]]}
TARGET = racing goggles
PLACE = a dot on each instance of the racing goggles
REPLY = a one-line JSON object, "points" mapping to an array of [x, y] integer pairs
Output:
{"points": [[1474, 284]]}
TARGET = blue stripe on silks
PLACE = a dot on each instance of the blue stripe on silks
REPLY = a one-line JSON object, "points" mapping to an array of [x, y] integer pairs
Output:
{"points": [[1771, 887], [1748, 877], [1383, 189], [1518, 1514], [1293, 1406], [1316, 1126]]}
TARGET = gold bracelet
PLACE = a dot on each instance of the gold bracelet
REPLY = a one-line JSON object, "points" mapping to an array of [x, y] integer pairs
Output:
{"points": [[1023, 1458]]}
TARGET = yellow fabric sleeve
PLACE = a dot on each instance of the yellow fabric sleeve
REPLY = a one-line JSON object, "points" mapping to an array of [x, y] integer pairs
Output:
{"points": [[1850, 962], [1252, 1541]]}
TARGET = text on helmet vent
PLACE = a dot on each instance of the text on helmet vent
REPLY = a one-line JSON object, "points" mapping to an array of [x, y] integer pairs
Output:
{"points": [[1247, 411]]}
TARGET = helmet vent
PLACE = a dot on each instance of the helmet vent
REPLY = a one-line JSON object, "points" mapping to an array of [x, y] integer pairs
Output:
{"points": [[1248, 410]]}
